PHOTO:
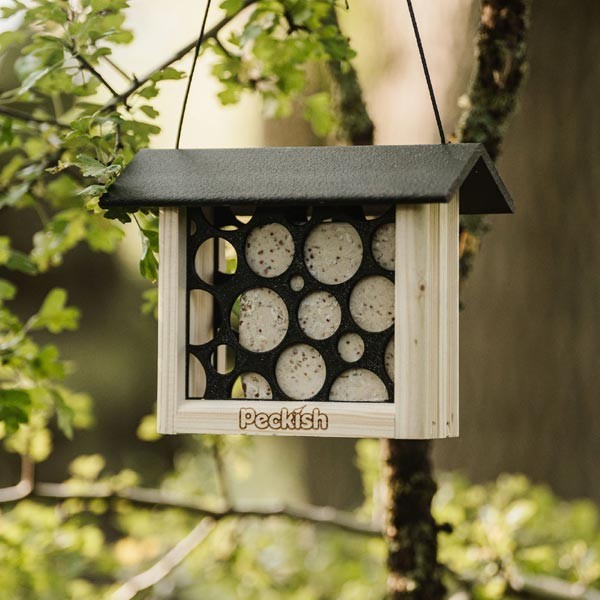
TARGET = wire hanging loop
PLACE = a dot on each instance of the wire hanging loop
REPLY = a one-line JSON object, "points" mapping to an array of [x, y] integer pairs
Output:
{"points": [[191, 75], [436, 112]]}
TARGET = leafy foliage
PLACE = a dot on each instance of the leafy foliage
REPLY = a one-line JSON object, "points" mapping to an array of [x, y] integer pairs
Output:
{"points": [[502, 533], [511, 527], [270, 55], [67, 133]]}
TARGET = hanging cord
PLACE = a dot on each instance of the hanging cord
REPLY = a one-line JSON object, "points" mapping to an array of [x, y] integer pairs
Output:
{"points": [[191, 75], [426, 71]]}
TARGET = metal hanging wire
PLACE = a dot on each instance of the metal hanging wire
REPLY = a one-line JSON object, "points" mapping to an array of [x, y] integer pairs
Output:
{"points": [[191, 75], [415, 26], [434, 105]]}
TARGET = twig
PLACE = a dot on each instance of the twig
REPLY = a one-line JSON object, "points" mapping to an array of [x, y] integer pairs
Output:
{"points": [[25, 485], [118, 143], [535, 586], [167, 563], [552, 588], [318, 515], [222, 46], [23, 116], [89, 67], [210, 34], [119, 70]]}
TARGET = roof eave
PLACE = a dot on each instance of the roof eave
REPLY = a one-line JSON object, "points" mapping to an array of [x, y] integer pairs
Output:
{"points": [[467, 169]]}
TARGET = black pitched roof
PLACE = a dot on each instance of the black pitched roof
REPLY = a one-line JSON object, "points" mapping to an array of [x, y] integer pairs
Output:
{"points": [[313, 175]]}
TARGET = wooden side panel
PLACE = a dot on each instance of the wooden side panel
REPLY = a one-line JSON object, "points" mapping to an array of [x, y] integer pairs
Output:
{"points": [[171, 316], [426, 340], [452, 415]]}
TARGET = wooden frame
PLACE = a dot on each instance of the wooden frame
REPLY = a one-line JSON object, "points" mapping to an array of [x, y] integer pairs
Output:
{"points": [[426, 346]]}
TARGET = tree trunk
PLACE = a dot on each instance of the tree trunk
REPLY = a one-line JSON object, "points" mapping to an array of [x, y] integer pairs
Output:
{"points": [[414, 571], [530, 346]]}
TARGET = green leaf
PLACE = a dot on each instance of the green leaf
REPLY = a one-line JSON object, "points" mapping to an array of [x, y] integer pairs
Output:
{"points": [[15, 194], [231, 94], [14, 408], [4, 249], [7, 290], [120, 37], [90, 167], [34, 77], [102, 235], [151, 236], [6, 135], [149, 111], [10, 168], [87, 466], [146, 430], [9, 11], [62, 191], [150, 303], [64, 414], [148, 92], [54, 315], [12, 38], [47, 365], [148, 260], [19, 397], [319, 112], [63, 232], [168, 73], [118, 214], [18, 261], [232, 7], [94, 190], [102, 5]]}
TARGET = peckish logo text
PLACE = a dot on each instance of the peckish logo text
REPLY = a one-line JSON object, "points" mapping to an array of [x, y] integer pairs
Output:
{"points": [[284, 419]]}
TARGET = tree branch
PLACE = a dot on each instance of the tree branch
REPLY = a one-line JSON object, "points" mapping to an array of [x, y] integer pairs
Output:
{"points": [[537, 586], [89, 67], [138, 83], [119, 70], [167, 563], [356, 127], [501, 65], [318, 515], [23, 116], [24, 487], [551, 588], [501, 57]]}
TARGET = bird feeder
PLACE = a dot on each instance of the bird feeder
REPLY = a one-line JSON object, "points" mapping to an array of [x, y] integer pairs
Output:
{"points": [[310, 291]]}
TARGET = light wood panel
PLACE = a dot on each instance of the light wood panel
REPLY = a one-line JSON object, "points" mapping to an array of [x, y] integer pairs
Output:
{"points": [[171, 316], [342, 419], [426, 340]]}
